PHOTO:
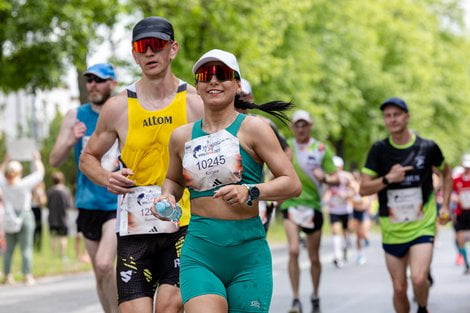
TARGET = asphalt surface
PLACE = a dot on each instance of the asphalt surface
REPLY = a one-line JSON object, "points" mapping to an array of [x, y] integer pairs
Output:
{"points": [[353, 288]]}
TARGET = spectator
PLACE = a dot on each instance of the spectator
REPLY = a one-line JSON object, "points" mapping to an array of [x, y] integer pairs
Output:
{"points": [[19, 218], [59, 200]]}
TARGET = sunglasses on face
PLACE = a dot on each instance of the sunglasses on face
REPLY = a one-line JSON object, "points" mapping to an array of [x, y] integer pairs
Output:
{"points": [[222, 73], [96, 79], [156, 44], [301, 125]]}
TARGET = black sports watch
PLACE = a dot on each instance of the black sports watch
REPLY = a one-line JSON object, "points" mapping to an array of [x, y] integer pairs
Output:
{"points": [[253, 193], [385, 181]]}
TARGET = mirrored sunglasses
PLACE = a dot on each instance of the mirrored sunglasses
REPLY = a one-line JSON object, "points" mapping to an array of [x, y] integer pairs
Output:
{"points": [[156, 44], [222, 73]]}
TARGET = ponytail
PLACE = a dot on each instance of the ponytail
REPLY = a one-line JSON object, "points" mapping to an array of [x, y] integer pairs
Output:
{"points": [[274, 108]]}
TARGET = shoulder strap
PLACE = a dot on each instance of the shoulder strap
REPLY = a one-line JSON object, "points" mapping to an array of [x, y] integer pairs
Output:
{"points": [[182, 87], [197, 129], [131, 91], [235, 126]]}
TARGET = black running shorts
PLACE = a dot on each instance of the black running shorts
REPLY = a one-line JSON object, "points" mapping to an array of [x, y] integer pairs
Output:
{"points": [[146, 261]]}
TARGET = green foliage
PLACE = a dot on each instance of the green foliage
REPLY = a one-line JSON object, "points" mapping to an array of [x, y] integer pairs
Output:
{"points": [[39, 38], [68, 167], [339, 60]]}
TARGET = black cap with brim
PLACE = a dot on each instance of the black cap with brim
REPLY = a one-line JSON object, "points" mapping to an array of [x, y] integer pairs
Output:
{"points": [[395, 101], [153, 27]]}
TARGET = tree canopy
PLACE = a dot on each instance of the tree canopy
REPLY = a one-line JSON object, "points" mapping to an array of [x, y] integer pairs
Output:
{"points": [[337, 59]]}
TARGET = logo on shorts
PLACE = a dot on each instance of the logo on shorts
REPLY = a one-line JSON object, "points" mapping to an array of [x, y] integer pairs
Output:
{"points": [[126, 276], [255, 304]]}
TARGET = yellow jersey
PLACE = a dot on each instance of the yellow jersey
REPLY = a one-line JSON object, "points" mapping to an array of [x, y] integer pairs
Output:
{"points": [[145, 150]]}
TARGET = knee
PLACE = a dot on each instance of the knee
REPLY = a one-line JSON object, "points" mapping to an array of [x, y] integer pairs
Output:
{"points": [[419, 279], [104, 269], [294, 252], [399, 289], [315, 262]]}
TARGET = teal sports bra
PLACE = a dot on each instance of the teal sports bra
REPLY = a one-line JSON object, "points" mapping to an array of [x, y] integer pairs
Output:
{"points": [[215, 160]]}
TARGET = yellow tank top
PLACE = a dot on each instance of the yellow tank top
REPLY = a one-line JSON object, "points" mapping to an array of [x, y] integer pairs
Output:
{"points": [[145, 151]]}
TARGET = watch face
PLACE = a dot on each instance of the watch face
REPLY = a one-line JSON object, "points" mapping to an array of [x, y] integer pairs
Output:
{"points": [[254, 193]]}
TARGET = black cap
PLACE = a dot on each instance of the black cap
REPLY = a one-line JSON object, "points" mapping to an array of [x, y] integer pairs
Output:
{"points": [[398, 102], [154, 26]]}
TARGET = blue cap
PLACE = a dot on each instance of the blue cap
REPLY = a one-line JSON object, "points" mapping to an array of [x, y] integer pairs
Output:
{"points": [[398, 102], [102, 70]]}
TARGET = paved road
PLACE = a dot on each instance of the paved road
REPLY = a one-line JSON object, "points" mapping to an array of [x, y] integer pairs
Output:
{"points": [[352, 289]]}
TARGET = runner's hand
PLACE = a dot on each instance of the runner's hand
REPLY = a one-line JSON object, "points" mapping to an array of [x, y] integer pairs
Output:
{"points": [[232, 194], [78, 130], [118, 183], [397, 173], [319, 174], [166, 197], [444, 215]]}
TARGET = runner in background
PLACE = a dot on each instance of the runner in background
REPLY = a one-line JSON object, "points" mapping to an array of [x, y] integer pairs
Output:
{"points": [[96, 205], [399, 168], [313, 162], [338, 199], [361, 219], [461, 188], [454, 199]]}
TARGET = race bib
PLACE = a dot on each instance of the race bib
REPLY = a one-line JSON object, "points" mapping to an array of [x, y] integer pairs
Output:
{"points": [[109, 161], [302, 216], [464, 197], [405, 205], [212, 161], [136, 216]]}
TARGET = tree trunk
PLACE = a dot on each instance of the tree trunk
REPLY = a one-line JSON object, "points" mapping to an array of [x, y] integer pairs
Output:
{"points": [[82, 87]]}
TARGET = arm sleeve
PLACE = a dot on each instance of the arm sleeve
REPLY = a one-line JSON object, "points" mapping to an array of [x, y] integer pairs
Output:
{"points": [[437, 158], [32, 180]]}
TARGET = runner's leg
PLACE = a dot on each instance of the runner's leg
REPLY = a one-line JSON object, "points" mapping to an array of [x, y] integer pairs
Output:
{"points": [[420, 257], [397, 268]]}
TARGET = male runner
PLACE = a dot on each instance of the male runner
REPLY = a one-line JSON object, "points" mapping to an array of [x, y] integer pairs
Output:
{"points": [[97, 206], [313, 162], [399, 168], [142, 118]]}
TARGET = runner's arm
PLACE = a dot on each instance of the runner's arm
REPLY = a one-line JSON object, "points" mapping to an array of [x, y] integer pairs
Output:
{"points": [[286, 183], [446, 178], [65, 140], [100, 142]]}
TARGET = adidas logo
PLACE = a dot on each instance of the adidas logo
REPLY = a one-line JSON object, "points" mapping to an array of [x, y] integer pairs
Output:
{"points": [[216, 183], [126, 276], [153, 230]]}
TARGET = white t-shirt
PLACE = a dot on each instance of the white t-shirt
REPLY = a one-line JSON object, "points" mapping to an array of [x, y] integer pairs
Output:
{"points": [[18, 196]]}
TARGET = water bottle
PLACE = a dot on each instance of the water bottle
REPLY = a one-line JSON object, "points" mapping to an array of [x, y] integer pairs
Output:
{"points": [[165, 209]]}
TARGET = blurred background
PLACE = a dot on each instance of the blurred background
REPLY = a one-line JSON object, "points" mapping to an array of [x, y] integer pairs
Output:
{"points": [[337, 59]]}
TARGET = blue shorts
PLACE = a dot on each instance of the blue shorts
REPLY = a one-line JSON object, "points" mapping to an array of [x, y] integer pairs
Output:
{"points": [[401, 249], [360, 216]]}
